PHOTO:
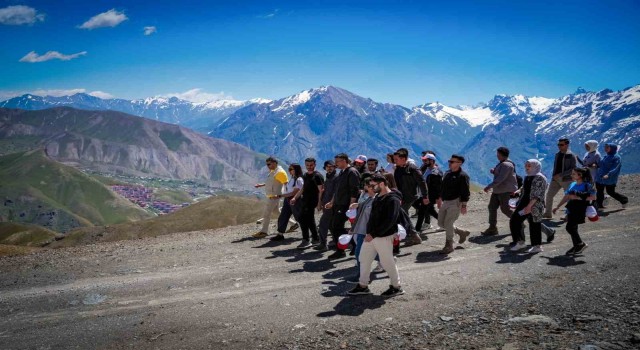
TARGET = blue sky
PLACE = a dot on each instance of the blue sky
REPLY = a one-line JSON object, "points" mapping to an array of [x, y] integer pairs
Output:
{"points": [[403, 52]]}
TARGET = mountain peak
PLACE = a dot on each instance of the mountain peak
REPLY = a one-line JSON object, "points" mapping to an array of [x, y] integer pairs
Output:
{"points": [[579, 91]]}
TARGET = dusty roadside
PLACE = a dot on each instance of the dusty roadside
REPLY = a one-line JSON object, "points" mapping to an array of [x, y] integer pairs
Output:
{"points": [[217, 289]]}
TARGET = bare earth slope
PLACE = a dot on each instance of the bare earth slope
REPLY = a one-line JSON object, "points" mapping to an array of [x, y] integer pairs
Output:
{"points": [[216, 289]]}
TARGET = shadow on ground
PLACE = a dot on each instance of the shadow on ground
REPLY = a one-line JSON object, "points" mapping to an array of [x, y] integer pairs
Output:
{"points": [[563, 260]]}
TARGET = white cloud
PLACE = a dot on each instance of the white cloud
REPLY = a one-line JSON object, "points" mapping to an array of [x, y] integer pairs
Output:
{"points": [[101, 94], [269, 15], [33, 57], [5, 95], [199, 96], [149, 30], [19, 15], [110, 18]]}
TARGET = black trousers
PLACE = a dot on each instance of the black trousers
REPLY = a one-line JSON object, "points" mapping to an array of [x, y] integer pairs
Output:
{"points": [[425, 212], [572, 228], [308, 223], [611, 191], [338, 219], [517, 234]]}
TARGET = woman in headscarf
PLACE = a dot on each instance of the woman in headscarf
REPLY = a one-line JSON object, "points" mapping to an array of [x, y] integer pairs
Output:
{"points": [[530, 207], [591, 159]]}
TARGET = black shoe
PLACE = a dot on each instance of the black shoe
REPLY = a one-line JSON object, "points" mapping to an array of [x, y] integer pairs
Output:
{"points": [[571, 251], [304, 244], [315, 241], [392, 292], [396, 249], [321, 248], [580, 248], [277, 238], [359, 290], [552, 236], [338, 254]]}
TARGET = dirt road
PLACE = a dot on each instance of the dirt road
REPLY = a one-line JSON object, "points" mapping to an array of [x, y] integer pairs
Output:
{"points": [[218, 289]]}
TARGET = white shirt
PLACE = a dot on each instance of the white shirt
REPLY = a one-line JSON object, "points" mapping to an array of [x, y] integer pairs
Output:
{"points": [[299, 182]]}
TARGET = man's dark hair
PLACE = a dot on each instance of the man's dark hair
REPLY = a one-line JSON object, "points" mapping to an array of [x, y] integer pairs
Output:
{"points": [[564, 139], [504, 151], [342, 156], [310, 160], [458, 157], [402, 153], [272, 160], [378, 178], [372, 160]]}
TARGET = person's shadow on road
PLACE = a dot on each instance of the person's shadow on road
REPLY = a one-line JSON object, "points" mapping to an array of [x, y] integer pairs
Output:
{"points": [[508, 257], [433, 256], [353, 305], [563, 260], [486, 239]]}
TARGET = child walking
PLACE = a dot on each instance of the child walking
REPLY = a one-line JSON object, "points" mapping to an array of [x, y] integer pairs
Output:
{"points": [[578, 196]]}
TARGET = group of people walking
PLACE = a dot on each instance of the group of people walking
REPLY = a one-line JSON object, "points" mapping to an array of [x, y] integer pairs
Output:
{"points": [[383, 196]]}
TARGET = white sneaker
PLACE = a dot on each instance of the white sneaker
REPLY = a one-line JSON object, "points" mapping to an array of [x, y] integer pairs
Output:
{"points": [[535, 249], [519, 246], [378, 268]]}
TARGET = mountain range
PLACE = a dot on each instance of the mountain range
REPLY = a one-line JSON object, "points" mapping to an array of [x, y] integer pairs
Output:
{"points": [[115, 142], [324, 121], [165, 109]]}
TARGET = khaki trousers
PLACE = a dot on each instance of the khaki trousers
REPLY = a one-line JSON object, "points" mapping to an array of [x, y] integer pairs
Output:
{"points": [[554, 188], [383, 247], [447, 216], [271, 206]]}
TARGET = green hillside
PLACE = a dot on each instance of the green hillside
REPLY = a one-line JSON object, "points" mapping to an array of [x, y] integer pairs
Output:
{"points": [[40, 191], [12, 233], [211, 213]]}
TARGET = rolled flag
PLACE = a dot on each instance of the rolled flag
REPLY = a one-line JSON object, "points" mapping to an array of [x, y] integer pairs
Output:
{"points": [[592, 213], [402, 233], [343, 241], [351, 215]]}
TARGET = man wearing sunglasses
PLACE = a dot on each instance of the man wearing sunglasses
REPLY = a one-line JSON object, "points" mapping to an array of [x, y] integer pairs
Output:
{"points": [[563, 164], [276, 178], [453, 201]]}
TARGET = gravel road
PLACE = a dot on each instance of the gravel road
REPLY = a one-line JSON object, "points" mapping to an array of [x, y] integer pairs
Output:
{"points": [[219, 289]]}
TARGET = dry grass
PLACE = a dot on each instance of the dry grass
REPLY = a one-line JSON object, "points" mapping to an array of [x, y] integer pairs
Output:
{"points": [[212, 213]]}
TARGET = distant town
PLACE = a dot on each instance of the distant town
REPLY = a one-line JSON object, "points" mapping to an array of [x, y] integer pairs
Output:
{"points": [[143, 196]]}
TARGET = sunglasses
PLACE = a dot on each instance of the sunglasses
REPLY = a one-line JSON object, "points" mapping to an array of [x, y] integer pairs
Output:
{"points": [[561, 144], [269, 164], [291, 169], [454, 161]]}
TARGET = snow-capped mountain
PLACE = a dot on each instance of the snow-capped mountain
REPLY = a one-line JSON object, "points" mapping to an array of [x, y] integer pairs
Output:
{"points": [[325, 121], [328, 120], [166, 109], [604, 116]]}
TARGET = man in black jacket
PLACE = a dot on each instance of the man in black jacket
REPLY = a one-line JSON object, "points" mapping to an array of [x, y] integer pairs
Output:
{"points": [[408, 179], [346, 194], [453, 201], [381, 230], [564, 162]]}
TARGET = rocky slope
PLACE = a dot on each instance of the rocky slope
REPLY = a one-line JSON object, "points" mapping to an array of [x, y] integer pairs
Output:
{"points": [[115, 142], [220, 289]]}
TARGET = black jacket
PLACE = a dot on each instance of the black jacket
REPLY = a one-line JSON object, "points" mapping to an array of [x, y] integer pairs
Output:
{"points": [[384, 215], [346, 186], [434, 184], [408, 179], [455, 185]]}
